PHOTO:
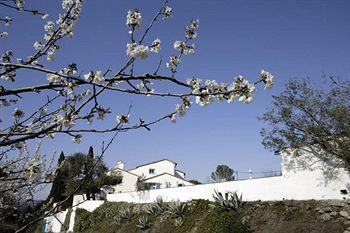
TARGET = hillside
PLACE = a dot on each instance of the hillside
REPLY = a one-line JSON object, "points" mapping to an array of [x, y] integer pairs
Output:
{"points": [[201, 216]]}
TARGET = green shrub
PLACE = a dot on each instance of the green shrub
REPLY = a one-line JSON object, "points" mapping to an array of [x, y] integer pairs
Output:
{"points": [[83, 220], [223, 222]]}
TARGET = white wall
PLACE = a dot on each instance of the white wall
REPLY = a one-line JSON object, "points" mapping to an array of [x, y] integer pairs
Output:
{"points": [[54, 222], [128, 183], [159, 168]]}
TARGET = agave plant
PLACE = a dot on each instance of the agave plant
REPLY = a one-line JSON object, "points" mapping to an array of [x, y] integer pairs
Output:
{"points": [[176, 209], [158, 207], [231, 200], [160, 204], [125, 213], [178, 222], [117, 220], [150, 209], [144, 222]]}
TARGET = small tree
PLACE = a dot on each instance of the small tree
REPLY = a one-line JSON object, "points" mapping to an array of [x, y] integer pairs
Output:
{"points": [[195, 182], [222, 173], [94, 172], [303, 115], [57, 189]]}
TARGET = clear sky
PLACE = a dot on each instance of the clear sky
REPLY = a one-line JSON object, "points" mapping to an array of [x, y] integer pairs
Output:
{"points": [[288, 38]]}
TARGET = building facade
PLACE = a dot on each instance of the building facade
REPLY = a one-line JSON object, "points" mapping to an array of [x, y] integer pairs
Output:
{"points": [[155, 175]]}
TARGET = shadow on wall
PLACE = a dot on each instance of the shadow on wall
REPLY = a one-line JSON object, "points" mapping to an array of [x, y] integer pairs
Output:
{"points": [[316, 162]]}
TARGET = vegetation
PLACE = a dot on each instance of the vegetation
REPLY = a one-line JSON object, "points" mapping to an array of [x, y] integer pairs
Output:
{"points": [[195, 182], [229, 201], [176, 209], [72, 169], [80, 166], [144, 222], [223, 173], [157, 207], [57, 189], [303, 115], [125, 213], [195, 216]]}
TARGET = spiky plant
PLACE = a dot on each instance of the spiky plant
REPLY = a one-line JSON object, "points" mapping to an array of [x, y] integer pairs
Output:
{"points": [[144, 222], [125, 213], [176, 209], [160, 204], [150, 209], [178, 222], [157, 207], [117, 220], [229, 201]]}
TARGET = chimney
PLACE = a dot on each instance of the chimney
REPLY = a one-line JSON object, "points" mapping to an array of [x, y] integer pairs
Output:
{"points": [[120, 164]]}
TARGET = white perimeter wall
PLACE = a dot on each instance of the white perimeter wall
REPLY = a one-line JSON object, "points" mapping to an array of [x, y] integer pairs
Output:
{"points": [[55, 222], [305, 175]]}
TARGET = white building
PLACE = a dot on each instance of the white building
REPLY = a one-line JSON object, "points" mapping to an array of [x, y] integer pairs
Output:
{"points": [[155, 175]]}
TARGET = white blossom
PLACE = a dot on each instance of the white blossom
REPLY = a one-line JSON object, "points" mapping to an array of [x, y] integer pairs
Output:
{"points": [[66, 4], [173, 63], [123, 119], [173, 118], [137, 51], [54, 78], [205, 98], [195, 84], [191, 30], [77, 138], [101, 112], [98, 77], [20, 4], [7, 21], [179, 45], [3, 34], [17, 113], [94, 77], [242, 89], [45, 16], [267, 78], [37, 45], [50, 55], [167, 12], [156, 46], [33, 169], [133, 18], [183, 48], [180, 109], [43, 111], [49, 26], [69, 88]]}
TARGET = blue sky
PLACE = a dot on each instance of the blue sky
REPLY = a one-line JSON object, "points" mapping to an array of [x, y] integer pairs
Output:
{"points": [[288, 38]]}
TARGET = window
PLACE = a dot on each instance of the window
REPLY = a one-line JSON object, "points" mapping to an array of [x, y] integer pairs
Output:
{"points": [[180, 185], [343, 191], [151, 171]]}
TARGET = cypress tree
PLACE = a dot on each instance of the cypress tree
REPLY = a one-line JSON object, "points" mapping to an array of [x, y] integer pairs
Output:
{"points": [[58, 186]]}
